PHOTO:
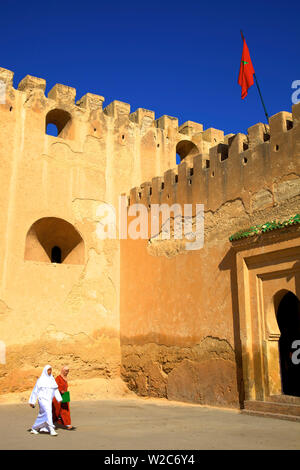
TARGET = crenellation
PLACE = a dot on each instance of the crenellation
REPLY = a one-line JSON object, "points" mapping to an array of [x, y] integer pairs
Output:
{"points": [[238, 145], [167, 195], [156, 183], [258, 134], [184, 169], [51, 183], [30, 83], [228, 167], [278, 122], [213, 136], [169, 178], [167, 122], [213, 158], [296, 113], [140, 115], [234, 166], [185, 177], [222, 151], [249, 181], [198, 165], [228, 139], [145, 190], [214, 153], [6, 76], [91, 102], [279, 144], [203, 139], [116, 109], [62, 94], [219, 176], [190, 128], [134, 195], [267, 133], [201, 179]]}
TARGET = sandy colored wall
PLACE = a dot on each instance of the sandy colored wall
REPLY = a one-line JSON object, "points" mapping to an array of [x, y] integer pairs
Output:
{"points": [[68, 312], [180, 332], [65, 312], [53, 312], [152, 311], [177, 327]]}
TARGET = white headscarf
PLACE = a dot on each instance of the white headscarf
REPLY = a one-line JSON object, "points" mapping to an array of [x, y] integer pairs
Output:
{"points": [[46, 380]]}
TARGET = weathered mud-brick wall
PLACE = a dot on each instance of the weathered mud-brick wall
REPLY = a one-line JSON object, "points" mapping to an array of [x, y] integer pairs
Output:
{"points": [[67, 296], [65, 311], [180, 333], [68, 311], [60, 282]]}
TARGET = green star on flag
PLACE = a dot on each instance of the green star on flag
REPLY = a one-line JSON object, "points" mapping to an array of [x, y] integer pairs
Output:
{"points": [[246, 73]]}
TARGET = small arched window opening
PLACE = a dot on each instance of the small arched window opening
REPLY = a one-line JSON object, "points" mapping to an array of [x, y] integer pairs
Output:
{"points": [[56, 255], [186, 148], [58, 123], [51, 129], [54, 240]]}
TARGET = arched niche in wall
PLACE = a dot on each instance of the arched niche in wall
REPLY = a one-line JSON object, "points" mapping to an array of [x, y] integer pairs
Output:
{"points": [[59, 119], [186, 148], [54, 240]]}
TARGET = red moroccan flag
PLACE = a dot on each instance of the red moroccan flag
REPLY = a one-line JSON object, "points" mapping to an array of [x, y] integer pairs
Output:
{"points": [[246, 71]]}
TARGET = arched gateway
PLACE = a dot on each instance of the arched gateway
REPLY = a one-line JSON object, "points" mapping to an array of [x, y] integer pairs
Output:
{"points": [[288, 318]]}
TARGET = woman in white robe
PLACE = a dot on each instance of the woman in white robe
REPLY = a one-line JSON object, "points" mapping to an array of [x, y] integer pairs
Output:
{"points": [[45, 389]]}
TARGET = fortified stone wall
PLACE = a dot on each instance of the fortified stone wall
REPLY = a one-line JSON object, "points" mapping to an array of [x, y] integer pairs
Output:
{"points": [[180, 332], [174, 311], [51, 191], [52, 188]]}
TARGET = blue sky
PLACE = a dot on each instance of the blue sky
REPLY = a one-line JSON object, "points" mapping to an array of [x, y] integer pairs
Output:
{"points": [[179, 58]]}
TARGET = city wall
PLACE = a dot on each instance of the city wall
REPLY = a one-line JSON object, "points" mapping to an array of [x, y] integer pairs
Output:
{"points": [[162, 318], [180, 331], [52, 187]]}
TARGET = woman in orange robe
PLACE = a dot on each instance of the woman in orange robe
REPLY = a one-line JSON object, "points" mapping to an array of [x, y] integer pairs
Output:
{"points": [[61, 411]]}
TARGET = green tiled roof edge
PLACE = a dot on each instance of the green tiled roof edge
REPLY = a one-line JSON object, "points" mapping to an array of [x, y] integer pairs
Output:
{"points": [[266, 227]]}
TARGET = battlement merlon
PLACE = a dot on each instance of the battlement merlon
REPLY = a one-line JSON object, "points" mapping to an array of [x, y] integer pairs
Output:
{"points": [[91, 102], [235, 165], [166, 122], [116, 109], [63, 97], [140, 114], [6, 76], [30, 83], [62, 94], [190, 128]]}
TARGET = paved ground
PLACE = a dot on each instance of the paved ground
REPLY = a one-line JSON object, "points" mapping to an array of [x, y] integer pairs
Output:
{"points": [[141, 424]]}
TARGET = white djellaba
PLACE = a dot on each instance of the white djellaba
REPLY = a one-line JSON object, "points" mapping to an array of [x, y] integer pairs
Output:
{"points": [[44, 390]]}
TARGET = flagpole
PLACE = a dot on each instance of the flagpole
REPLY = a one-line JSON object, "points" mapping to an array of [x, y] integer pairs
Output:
{"points": [[258, 88]]}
